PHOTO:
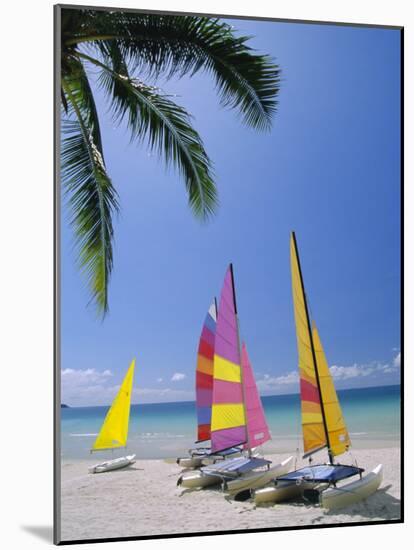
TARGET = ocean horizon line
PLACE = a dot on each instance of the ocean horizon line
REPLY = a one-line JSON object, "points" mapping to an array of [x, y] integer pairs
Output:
{"points": [[65, 404]]}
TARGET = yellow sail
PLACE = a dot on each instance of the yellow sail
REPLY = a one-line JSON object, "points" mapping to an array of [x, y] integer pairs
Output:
{"points": [[314, 437], [338, 436], [114, 431]]}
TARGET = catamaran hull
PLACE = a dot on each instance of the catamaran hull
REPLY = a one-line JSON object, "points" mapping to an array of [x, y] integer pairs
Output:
{"points": [[189, 462], [280, 493], [208, 460], [345, 495], [335, 497], [255, 480], [225, 471], [198, 461], [115, 464], [197, 479]]}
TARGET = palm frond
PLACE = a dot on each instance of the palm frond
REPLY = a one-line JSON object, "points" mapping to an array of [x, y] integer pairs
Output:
{"points": [[92, 199], [178, 45], [75, 83], [121, 44], [167, 128]]}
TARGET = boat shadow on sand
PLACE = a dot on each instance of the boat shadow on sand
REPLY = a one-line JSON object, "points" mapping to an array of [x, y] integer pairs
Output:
{"points": [[210, 489], [133, 469], [130, 468], [379, 505]]}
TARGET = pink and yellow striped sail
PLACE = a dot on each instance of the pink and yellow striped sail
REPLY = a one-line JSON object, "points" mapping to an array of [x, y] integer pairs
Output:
{"points": [[204, 375], [257, 429], [228, 419]]}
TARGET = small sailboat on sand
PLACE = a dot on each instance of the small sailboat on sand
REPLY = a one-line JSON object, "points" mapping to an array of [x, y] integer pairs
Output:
{"points": [[114, 430], [323, 424], [204, 396], [237, 416]]}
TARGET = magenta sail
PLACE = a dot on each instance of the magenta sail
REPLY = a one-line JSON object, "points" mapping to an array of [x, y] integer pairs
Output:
{"points": [[228, 419], [258, 431], [226, 342]]}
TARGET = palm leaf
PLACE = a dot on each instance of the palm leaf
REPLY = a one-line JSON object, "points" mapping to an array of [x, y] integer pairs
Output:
{"points": [[76, 84], [154, 45], [177, 45], [166, 127], [92, 199]]}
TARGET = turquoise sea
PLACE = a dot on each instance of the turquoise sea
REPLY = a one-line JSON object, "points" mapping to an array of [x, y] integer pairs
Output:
{"points": [[165, 430]]}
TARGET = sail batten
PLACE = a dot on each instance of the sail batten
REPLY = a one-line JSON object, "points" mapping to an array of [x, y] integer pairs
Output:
{"points": [[114, 430], [204, 375], [228, 417]]}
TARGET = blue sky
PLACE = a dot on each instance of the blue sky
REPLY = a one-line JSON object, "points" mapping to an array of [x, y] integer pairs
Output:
{"points": [[329, 169]]}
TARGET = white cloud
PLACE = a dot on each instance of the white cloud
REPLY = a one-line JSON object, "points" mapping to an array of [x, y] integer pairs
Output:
{"points": [[275, 383], [397, 360], [177, 376], [353, 371], [76, 377], [89, 387], [373, 369], [372, 373], [155, 395]]}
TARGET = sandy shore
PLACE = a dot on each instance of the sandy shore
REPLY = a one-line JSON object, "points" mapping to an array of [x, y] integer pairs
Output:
{"points": [[144, 500]]}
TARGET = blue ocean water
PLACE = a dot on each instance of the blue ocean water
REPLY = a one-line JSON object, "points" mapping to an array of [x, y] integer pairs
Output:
{"points": [[165, 430]]}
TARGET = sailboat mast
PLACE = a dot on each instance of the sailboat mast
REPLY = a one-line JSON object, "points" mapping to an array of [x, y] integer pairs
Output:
{"points": [[239, 348], [215, 305], [325, 426]]}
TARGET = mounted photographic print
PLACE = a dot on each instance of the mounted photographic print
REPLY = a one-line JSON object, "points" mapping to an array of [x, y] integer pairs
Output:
{"points": [[228, 274]]}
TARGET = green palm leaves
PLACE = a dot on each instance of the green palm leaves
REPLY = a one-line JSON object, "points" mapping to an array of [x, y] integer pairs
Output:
{"points": [[125, 49]]}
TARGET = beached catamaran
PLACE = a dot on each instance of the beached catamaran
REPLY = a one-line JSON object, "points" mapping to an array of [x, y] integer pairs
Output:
{"points": [[237, 416], [323, 424], [114, 430], [204, 397]]}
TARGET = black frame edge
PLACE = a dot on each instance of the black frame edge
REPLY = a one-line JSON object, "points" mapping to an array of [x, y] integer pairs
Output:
{"points": [[56, 280], [229, 16]]}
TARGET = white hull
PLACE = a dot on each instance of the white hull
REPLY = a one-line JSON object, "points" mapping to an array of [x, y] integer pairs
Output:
{"points": [[279, 493], [254, 480], [189, 462], [351, 493], [109, 465], [202, 479], [201, 460], [192, 480], [335, 497], [206, 461]]}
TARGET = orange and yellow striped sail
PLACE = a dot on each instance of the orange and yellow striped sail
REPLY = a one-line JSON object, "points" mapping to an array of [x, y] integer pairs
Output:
{"points": [[322, 421], [338, 436], [312, 420]]}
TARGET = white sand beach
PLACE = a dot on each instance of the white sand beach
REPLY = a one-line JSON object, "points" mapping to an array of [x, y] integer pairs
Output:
{"points": [[143, 500]]}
